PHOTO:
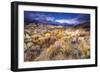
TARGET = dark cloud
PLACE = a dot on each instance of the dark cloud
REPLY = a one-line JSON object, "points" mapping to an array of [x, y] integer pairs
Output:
{"points": [[56, 18]]}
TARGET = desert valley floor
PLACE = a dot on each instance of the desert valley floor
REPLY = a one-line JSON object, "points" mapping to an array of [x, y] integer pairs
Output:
{"points": [[49, 42]]}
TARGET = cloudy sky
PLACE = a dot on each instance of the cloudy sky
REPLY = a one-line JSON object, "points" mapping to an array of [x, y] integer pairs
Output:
{"points": [[55, 17]]}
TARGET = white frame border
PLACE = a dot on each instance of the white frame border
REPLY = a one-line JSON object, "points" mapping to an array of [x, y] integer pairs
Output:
{"points": [[22, 64]]}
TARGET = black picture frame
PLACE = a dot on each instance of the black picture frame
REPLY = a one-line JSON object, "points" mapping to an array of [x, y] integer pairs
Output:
{"points": [[14, 35]]}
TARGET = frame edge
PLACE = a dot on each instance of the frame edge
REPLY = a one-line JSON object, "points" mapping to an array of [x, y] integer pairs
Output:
{"points": [[14, 37]]}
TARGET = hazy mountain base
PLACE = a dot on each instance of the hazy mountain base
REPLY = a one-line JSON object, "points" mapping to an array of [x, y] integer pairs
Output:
{"points": [[48, 42]]}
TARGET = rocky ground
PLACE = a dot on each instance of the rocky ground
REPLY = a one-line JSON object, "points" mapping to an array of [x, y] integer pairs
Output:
{"points": [[48, 42]]}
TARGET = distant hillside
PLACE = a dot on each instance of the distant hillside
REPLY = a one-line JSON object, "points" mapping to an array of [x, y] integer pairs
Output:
{"points": [[85, 25]]}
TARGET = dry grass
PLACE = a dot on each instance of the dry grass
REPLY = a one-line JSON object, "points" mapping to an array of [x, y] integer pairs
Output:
{"points": [[55, 43]]}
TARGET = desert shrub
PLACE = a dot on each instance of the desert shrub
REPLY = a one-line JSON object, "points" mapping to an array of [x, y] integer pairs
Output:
{"points": [[32, 53], [52, 43], [85, 48], [52, 51]]}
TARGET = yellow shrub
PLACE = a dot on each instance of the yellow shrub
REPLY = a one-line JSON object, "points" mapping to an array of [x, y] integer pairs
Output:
{"points": [[47, 34]]}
